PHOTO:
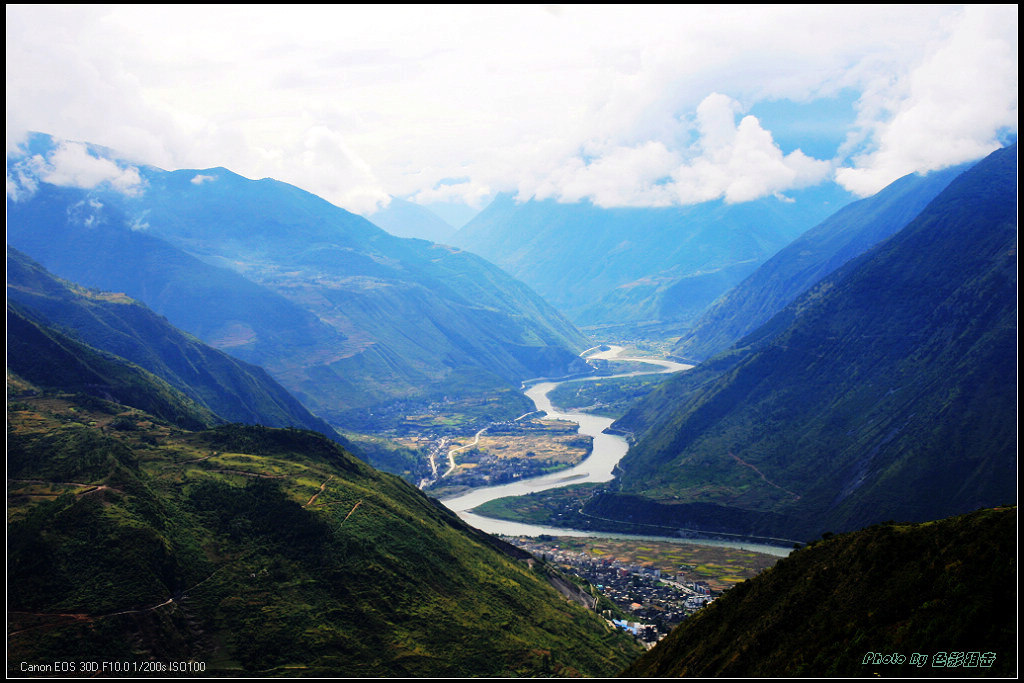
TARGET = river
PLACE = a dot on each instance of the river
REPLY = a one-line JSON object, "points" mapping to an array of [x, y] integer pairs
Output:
{"points": [[596, 468]]}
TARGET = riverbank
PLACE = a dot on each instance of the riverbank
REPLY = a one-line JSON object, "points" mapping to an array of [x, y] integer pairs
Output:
{"points": [[564, 507], [607, 450]]}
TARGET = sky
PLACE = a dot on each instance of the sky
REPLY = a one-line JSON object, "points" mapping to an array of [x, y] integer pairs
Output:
{"points": [[447, 104]]}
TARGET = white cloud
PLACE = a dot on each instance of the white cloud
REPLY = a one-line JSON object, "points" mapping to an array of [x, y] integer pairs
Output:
{"points": [[621, 176], [139, 223], [738, 163], [466, 192], [503, 96], [327, 162], [948, 109], [23, 177], [71, 165], [87, 213], [199, 179]]}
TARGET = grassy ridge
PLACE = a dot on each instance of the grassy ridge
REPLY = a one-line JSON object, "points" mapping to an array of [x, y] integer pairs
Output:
{"points": [[234, 390], [48, 359], [945, 586], [261, 551]]}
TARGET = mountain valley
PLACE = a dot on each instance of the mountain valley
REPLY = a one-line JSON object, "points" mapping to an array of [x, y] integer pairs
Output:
{"points": [[512, 341], [887, 391], [625, 267], [171, 500], [345, 316]]}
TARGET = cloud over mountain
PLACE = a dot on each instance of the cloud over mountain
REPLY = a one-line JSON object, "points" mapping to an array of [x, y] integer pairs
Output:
{"points": [[950, 108], [70, 164], [737, 162], [612, 103]]}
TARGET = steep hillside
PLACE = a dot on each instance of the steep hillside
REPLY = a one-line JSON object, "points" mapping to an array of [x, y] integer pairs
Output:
{"points": [[944, 591], [45, 359], [887, 391], [608, 266], [810, 257], [347, 317], [253, 551], [92, 243], [234, 390]]}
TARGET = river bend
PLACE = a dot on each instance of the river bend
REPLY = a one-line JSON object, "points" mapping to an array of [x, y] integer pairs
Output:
{"points": [[596, 468]]}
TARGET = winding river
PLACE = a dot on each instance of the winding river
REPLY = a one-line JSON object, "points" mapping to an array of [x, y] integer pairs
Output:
{"points": [[598, 467]]}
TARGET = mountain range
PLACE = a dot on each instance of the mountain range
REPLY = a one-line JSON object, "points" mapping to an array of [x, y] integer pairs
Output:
{"points": [[232, 389], [612, 266], [807, 259], [403, 218], [885, 391], [170, 500], [345, 316]]}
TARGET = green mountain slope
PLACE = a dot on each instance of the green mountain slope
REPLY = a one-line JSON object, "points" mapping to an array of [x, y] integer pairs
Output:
{"points": [[345, 316], [844, 606], [256, 551], [888, 391], [609, 266], [810, 257], [234, 390], [48, 360]]}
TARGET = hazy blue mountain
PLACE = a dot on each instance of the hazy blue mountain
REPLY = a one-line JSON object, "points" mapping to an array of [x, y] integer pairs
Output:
{"points": [[453, 212], [92, 243], [935, 589], [234, 390], [49, 360], [807, 259], [609, 266], [886, 391], [403, 218], [345, 316], [672, 296]]}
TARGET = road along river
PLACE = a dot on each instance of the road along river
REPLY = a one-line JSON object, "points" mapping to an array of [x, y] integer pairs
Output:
{"points": [[596, 468]]}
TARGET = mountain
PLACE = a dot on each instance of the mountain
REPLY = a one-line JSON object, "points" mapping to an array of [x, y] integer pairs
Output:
{"points": [[810, 257], [351, 320], [247, 550], [234, 390], [91, 243], [609, 266], [945, 591], [45, 359], [403, 218], [887, 391]]}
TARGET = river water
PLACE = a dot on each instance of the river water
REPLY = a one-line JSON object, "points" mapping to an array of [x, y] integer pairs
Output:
{"points": [[596, 468]]}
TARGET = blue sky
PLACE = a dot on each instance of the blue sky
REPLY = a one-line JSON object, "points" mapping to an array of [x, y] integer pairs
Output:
{"points": [[621, 105], [818, 127]]}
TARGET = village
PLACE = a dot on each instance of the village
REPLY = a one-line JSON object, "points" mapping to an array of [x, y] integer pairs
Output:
{"points": [[654, 600]]}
